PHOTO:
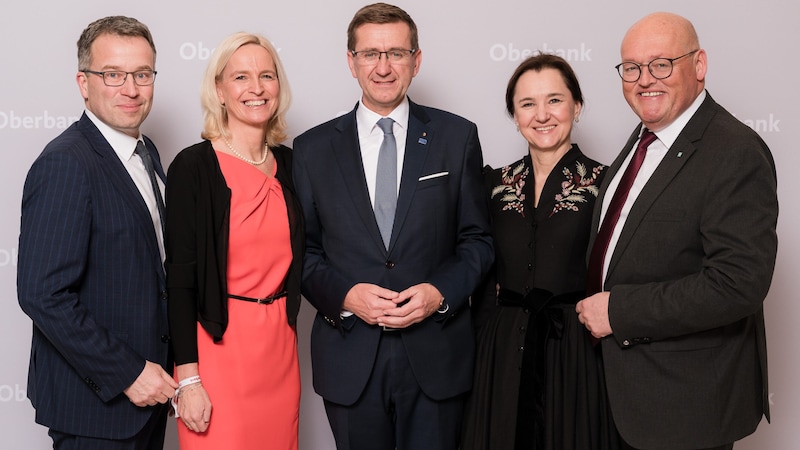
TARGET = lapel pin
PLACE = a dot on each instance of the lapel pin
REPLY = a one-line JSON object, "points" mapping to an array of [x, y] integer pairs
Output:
{"points": [[422, 140], [680, 154]]}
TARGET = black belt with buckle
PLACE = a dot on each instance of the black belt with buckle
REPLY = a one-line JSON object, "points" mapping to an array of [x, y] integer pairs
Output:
{"points": [[260, 301]]}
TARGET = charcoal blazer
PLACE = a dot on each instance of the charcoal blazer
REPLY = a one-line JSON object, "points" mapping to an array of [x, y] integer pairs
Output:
{"points": [[686, 366], [440, 235], [91, 278]]}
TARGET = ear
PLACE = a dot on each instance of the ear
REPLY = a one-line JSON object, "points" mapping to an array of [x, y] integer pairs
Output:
{"points": [[578, 109], [701, 65], [417, 62], [219, 94], [351, 64], [83, 82]]}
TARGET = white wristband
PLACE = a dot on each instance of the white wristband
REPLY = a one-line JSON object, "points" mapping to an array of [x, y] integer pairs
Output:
{"points": [[182, 384], [187, 381]]}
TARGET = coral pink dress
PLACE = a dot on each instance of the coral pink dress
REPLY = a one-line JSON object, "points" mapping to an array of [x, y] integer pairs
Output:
{"points": [[252, 376]]}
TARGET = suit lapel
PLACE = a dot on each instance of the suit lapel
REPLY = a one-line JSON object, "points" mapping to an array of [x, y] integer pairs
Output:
{"points": [[346, 152], [677, 156], [119, 178], [609, 175], [419, 138], [151, 147]]}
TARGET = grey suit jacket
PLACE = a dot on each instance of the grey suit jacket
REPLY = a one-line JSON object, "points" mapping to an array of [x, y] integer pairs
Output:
{"points": [[686, 366]]}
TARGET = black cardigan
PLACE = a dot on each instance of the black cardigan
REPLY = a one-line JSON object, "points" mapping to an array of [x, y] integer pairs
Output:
{"points": [[197, 225]]}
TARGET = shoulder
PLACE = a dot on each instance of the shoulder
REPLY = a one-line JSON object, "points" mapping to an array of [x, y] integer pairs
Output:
{"points": [[194, 154], [725, 137], [283, 157], [281, 152], [507, 175], [436, 116], [325, 130], [193, 159], [69, 151], [590, 165]]}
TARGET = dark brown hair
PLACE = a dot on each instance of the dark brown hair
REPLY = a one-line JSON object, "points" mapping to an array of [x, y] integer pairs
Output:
{"points": [[380, 13], [537, 63]]}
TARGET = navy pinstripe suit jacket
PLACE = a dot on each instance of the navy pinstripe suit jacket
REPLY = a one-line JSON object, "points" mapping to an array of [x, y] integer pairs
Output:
{"points": [[90, 276]]}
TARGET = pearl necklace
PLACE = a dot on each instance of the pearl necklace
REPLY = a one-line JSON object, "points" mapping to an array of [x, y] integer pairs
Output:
{"points": [[245, 159]]}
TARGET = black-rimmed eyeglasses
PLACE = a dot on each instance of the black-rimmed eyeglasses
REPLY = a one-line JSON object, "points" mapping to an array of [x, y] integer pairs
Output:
{"points": [[659, 68], [116, 78]]}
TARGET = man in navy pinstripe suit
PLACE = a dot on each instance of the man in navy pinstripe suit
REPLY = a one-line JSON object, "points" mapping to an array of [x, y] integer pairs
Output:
{"points": [[90, 271]]}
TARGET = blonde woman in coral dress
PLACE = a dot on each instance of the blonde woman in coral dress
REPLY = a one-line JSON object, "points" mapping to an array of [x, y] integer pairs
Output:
{"points": [[234, 249]]}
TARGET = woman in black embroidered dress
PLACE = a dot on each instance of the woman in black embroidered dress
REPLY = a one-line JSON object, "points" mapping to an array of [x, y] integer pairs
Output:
{"points": [[538, 379]]}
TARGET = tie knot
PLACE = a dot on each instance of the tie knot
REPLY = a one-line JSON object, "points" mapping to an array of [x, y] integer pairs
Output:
{"points": [[141, 150], [385, 124], [647, 138]]}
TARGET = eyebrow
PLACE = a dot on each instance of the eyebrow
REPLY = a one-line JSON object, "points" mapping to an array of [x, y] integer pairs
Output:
{"points": [[551, 95], [113, 68]]}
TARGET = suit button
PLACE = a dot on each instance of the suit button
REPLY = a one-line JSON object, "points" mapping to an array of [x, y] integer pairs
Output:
{"points": [[165, 338], [626, 343], [163, 295], [389, 265]]}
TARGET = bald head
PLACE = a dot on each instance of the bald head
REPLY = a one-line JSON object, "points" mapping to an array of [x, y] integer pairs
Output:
{"points": [[667, 26], [673, 40]]}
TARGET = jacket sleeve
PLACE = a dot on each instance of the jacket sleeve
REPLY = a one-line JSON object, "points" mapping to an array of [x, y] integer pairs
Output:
{"points": [[181, 263], [54, 248]]}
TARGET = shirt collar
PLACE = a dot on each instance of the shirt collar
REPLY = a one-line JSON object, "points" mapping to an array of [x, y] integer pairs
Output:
{"points": [[123, 145], [367, 119], [670, 133]]}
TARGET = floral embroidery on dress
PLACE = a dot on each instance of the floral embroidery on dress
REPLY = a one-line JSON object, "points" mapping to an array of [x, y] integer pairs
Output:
{"points": [[575, 188], [513, 179]]}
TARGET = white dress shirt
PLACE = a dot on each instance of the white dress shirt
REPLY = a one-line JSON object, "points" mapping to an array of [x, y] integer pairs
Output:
{"points": [[124, 146], [370, 137], [655, 154]]}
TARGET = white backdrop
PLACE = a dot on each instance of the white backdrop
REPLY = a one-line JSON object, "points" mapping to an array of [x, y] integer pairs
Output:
{"points": [[468, 54]]}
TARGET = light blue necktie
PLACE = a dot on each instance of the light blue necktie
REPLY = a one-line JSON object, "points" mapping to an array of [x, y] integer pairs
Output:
{"points": [[386, 181]]}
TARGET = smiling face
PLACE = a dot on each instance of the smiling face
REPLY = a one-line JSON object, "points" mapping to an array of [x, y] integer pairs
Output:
{"points": [[248, 87], [384, 85], [544, 110], [125, 107], [659, 102]]}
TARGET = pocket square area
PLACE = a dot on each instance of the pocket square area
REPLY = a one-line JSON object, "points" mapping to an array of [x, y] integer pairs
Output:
{"points": [[434, 175]]}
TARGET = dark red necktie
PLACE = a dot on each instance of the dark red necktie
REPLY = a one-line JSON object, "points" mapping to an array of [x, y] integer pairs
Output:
{"points": [[594, 281]]}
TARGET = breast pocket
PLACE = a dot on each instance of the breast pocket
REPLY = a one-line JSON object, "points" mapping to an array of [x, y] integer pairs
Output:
{"points": [[433, 179]]}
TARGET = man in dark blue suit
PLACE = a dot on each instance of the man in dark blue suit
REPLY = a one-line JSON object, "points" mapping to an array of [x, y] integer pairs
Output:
{"points": [[392, 346], [90, 270]]}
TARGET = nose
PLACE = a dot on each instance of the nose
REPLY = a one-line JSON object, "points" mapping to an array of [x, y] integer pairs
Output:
{"points": [[257, 86], [541, 113], [383, 66], [645, 77], [129, 87]]}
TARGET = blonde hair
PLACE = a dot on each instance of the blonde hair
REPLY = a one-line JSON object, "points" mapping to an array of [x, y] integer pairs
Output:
{"points": [[215, 116]]}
